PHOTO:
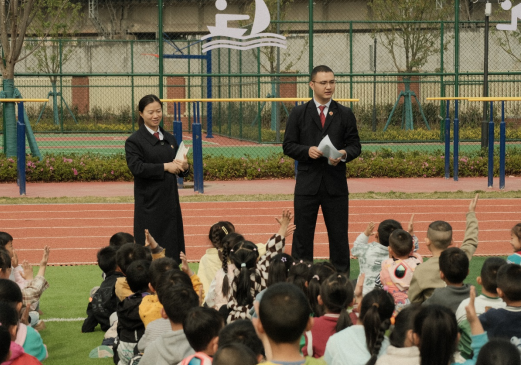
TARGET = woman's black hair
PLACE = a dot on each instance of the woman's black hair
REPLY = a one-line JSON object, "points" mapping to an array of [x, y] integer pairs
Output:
{"points": [[317, 274], [230, 240], [403, 323], [279, 268], [298, 274], [437, 328], [5, 343], [375, 313], [337, 293], [218, 231], [145, 100], [244, 255], [499, 351]]}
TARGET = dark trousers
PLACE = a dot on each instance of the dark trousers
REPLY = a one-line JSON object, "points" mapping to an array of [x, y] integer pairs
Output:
{"points": [[335, 210]]}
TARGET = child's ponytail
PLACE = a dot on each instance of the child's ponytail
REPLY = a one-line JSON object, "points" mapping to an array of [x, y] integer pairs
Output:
{"points": [[318, 273], [244, 255], [337, 293], [437, 328], [279, 268], [376, 312], [228, 242], [298, 274]]}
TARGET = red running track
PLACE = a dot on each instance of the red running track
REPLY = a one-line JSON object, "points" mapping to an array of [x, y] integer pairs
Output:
{"points": [[76, 231]]}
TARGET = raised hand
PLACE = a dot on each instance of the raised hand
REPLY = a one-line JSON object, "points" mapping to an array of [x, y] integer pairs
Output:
{"points": [[27, 272], [14, 259], [369, 229], [410, 227], [473, 203], [184, 264], [150, 241], [284, 221]]}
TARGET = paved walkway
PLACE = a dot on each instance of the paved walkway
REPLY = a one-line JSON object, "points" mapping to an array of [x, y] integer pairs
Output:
{"points": [[408, 185]]}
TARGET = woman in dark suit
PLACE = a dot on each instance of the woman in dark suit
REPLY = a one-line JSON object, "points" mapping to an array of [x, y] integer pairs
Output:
{"points": [[150, 153]]}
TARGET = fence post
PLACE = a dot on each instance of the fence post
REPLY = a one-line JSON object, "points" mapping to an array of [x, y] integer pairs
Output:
{"points": [[178, 134], [491, 147], [447, 142], [197, 146], [456, 140], [20, 134], [502, 137]]}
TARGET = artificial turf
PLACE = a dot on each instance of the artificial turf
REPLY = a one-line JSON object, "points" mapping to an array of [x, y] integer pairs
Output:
{"points": [[67, 298]]}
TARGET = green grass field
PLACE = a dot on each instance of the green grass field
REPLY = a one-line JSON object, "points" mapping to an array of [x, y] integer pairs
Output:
{"points": [[67, 298]]}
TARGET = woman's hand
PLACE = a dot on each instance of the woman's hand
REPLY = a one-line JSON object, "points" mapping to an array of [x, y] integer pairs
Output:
{"points": [[171, 167], [182, 164]]}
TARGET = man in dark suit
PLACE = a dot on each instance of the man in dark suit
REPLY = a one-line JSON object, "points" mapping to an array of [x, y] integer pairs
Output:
{"points": [[321, 182]]}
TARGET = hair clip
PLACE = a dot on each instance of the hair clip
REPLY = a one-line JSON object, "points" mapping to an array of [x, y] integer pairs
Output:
{"points": [[224, 230], [243, 265], [309, 265], [255, 249], [339, 276], [301, 261], [316, 277], [283, 259], [293, 264], [376, 305], [231, 250]]}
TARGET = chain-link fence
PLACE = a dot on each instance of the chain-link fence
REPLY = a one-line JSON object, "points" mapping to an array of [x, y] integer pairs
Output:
{"points": [[383, 52]]}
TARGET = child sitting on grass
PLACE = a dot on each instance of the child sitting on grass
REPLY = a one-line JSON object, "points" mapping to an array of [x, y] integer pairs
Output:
{"points": [[371, 255], [284, 315], [234, 354], [201, 327], [515, 241], [104, 302], [27, 337], [426, 277], [212, 260], [488, 299], [396, 274], [173, 346], [9, 321], [119, 239], [130, 326], [242, 332], [454, 268], [506, 322]]}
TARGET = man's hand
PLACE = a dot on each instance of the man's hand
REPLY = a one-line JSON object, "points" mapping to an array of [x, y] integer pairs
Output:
{"points": [[314, 152], [473, 203], [369, 229], [410, 228]]}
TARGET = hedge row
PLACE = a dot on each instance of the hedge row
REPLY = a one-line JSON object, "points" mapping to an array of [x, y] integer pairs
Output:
{"points": [[89, 167]]}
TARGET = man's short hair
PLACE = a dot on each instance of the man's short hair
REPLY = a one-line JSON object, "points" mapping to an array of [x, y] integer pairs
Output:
{"points": [[5, 238], [138, 276], [107, 259], [284, 312], [160, 266], [10, 292], [509, 281], [128, 253], [385, 228], [489, 273], [440, 234], [119, 239], [177, 301], [201, 325], [234, 354], [241, 331], [317, 69], [454, 264], [400, 242]]}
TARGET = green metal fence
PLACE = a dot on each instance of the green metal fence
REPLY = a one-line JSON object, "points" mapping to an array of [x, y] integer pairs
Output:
{"points": [[126, 49]]}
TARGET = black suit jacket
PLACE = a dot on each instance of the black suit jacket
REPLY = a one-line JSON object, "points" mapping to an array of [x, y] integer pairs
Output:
{"points": [[304, 130]]}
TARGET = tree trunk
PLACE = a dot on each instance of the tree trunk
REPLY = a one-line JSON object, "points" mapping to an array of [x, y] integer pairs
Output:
{"points": [[10, 119]]}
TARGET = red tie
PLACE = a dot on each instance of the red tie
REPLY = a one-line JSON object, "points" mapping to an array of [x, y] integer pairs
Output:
{"points": [[156, 135], [322, 116]]}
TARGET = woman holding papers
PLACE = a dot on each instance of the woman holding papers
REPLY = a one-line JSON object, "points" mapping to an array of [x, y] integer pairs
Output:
{"points": [[150, 154]]}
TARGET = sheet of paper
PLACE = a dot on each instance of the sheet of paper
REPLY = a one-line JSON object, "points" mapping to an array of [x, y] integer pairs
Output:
{"points": [[327, 148], [183, 150]]}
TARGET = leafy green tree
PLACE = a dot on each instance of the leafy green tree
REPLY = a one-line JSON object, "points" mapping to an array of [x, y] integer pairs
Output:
{"points": [[16, 16]]}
